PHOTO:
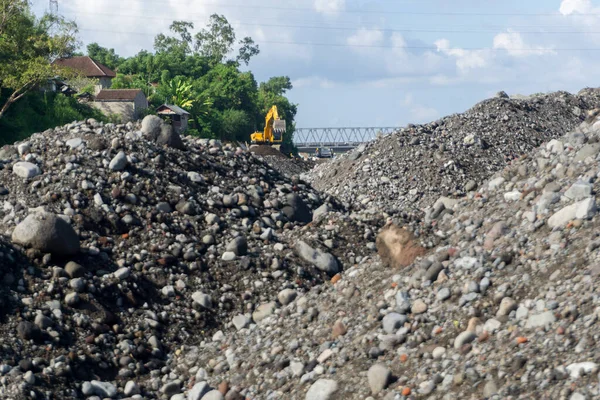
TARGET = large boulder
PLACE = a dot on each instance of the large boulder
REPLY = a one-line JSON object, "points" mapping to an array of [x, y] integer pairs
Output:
{"points": [[151, 127], [48, 233], [397, 247], [168, 137], [296, 209]]}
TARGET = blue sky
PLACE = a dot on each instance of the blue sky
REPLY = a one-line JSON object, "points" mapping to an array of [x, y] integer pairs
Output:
{"points": [[380, 62]]}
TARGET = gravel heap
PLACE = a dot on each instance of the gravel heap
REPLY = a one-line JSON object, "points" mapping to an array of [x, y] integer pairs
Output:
{"points": [[408, 170], [505, 307], [289, 166], [121, 243]]}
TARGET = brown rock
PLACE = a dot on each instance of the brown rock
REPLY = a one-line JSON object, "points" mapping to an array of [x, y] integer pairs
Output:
{"points": [[223, 387], [338, 329], [397, 247]]}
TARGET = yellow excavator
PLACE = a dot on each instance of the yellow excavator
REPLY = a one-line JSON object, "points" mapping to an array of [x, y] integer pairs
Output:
{"points": [[274, 129]]}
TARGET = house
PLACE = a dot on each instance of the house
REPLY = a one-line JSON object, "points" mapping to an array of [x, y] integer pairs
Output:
{"points": [[89, 68], [127, 103], [178, 116]]}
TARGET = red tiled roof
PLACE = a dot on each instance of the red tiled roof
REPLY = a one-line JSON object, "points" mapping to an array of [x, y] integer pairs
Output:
{"points": [[117, 94], [87, 66]]}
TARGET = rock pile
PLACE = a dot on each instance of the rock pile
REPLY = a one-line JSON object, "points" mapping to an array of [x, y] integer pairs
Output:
{"points": [[504, 308], [412, 168], [121, 243]]}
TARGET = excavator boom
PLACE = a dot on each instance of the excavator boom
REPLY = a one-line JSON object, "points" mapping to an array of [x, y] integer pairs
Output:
{"points": [[274, 129]]}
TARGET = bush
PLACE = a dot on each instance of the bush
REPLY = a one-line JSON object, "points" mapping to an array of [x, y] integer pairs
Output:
{"points": [[39, 111]]}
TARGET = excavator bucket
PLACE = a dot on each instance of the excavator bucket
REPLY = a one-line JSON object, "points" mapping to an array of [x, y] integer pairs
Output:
{"points": [[278, 130], [279, 125]]}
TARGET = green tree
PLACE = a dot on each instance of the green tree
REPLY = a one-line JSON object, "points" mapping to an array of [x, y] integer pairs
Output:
{"points": [[103, 55], [28, 46]]}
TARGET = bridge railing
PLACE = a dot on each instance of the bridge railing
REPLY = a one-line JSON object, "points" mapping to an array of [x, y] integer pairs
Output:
{"points": [[338, 137]]}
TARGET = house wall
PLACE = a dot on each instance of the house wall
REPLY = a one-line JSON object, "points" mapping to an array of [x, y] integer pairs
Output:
{"points": [[140, 104], [105, 82], [126, 109]]}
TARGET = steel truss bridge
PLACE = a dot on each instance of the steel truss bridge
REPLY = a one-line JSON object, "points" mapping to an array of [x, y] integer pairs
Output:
{"points": [[340, 140]]}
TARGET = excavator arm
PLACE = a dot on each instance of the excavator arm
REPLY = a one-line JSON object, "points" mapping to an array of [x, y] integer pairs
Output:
{"points": [[274, 129]]}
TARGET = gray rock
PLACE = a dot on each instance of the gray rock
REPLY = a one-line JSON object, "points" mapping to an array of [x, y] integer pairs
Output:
{"points": [[323, 261], [122, 273], [443, 294], [102, 389], [393, 321], [168, 137], [198, 390], [47, 233], [151, 127], [131, 388], [26, 170], [322, 210], [490, 389], [241, 322], [433, 271], [42, 321], [164, 207], [202, 299], [379, 377], [541, 320], [464, 338], [579, 191], [119, 162], [296, 209], [263, 311], [171, 388], [589, 150], [238, 246], [323, 389], [286, 296], [74, 270]]}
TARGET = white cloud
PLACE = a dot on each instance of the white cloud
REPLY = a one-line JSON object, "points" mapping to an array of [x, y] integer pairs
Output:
{"points": [[514, 44], [329, 6], [569, 7], [465, 59], [364, 37], [419, 113]]}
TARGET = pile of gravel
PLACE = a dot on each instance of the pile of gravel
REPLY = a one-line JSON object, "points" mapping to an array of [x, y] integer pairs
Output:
{"points": [[408, 170], [505, 307], [121, 243], [287, 165]]}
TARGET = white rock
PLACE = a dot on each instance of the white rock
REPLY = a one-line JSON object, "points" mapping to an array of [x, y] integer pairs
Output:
{"points": [[323, 389], [241, 322], [512, 196], [213, 395], [26, 170], [195, 177], [555, 146], [131, 388], [286, 296], [540, 320], [263, 311], [492, 325], [579, 191], [581, 210], [494, 183], [587, 368], [23, 148], [438, 352], [202, 299], [74, 143], [378, 377], [199, 390]]}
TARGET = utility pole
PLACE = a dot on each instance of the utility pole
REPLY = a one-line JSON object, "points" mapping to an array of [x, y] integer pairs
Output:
{"points": [[53, 7]]}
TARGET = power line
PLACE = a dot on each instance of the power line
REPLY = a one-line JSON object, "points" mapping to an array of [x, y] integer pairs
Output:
{"points": [[373, 46], [407, 30], [404, 12]]}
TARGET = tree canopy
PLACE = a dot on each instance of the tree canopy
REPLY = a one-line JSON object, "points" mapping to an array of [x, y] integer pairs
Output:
{"points": [[28, 45]]}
